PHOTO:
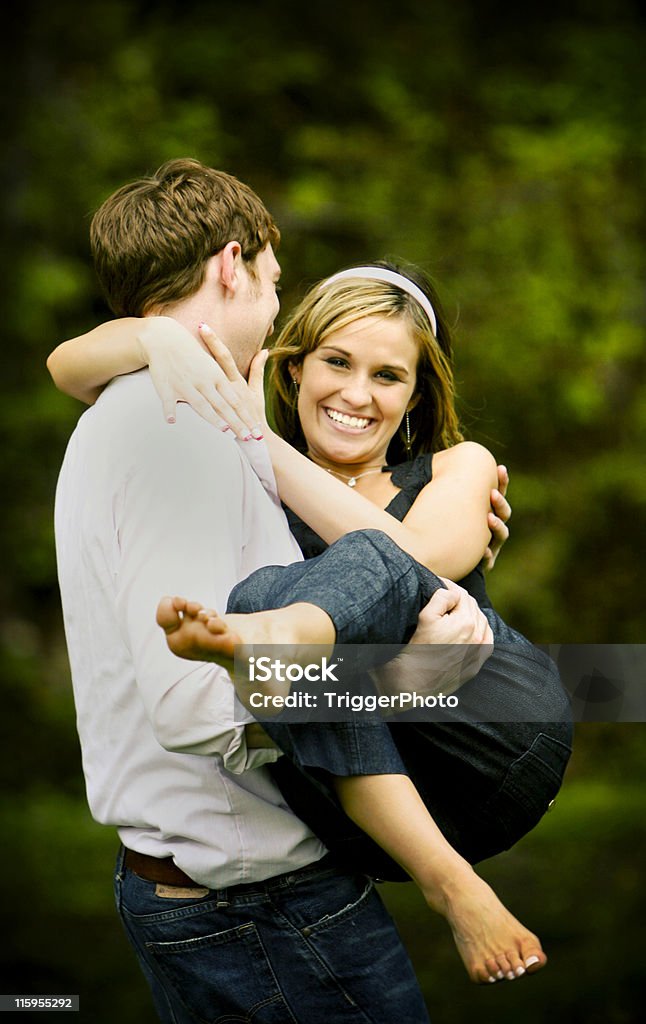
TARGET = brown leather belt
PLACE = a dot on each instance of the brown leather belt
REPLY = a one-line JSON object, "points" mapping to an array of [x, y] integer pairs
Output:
{"points": [[154, 869]]}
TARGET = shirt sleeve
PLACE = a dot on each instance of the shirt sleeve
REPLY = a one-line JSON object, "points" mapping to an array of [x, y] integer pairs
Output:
{"points": [[180, 530]]}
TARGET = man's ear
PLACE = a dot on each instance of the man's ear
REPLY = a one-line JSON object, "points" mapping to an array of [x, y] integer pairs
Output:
{"points": [[229, 260]]}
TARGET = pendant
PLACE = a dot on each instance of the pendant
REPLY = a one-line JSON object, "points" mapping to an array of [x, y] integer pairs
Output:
{"points": [[352, 482]]}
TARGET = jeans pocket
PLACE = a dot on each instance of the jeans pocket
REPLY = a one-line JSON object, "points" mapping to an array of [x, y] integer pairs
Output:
{"points": [[341, 916], [357, 948], [530, 787], [223, 976]]}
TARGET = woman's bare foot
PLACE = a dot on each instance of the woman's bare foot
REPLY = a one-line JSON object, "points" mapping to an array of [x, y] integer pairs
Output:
{"points": [[195, 632], [493, 944], [200, 634]]}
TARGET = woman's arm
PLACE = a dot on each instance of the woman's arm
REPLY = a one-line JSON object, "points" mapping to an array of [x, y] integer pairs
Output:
{"points": [[446, 529], [180, 365], [83, 366]]}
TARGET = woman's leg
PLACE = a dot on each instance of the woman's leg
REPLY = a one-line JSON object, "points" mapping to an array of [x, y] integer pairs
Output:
{"points": [[371, 589], [492, 943], [361, 590]]}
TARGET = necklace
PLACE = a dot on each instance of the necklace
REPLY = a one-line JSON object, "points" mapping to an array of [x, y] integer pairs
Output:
{"points": [[351, 481]]}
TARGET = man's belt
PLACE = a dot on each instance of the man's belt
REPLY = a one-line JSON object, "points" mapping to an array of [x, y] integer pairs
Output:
{"points": [[154, 869]]}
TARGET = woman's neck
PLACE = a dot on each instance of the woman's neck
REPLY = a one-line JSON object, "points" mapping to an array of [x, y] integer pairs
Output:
{"points": [[346, 470]]}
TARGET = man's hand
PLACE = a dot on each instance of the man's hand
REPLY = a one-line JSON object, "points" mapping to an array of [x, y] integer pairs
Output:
{"points": [[498, 517], [452, 616], [462, 641]]}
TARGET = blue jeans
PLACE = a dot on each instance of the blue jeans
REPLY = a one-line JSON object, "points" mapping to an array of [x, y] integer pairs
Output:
{"points": [[485, 783], [313, 945], [371, 589]]}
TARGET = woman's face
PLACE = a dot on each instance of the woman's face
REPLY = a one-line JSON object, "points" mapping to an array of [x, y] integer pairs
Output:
{"points": [[355, 389]]}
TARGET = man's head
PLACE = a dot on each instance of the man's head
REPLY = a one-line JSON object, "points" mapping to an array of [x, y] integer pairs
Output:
{"points": [[152, 239]]}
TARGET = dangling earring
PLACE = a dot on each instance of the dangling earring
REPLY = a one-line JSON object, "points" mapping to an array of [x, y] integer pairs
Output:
{"points": [[296, 387], [408, 440]]}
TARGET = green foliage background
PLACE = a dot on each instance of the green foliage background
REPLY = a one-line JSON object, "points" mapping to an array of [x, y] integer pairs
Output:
{"points": [[501, 147]]}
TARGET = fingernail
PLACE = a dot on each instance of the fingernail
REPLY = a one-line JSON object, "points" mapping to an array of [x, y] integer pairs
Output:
{"points": [[224, 429], [531, 960], [247, 438], [170, 419], [257, 433], [520, 971]]}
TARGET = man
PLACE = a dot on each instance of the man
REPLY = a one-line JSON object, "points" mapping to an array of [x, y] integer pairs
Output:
{"points": [[227, 897]]}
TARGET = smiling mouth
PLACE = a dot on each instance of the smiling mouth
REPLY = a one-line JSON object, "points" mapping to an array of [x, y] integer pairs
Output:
{"points": [[358, 422]]}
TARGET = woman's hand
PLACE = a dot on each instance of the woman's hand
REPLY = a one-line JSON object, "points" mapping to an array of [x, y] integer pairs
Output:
{"points": [[182, 371], [248, 396], [498, 518]]}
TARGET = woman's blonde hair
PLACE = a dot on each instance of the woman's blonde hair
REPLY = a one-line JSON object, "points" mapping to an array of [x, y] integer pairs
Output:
{"points": [[326, 308]]}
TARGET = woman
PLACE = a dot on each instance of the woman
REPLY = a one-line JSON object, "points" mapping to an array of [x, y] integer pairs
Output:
{"points": [[362, 383]]}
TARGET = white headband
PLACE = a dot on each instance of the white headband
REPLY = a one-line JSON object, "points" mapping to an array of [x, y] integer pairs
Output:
{"points": [[382, 274]]}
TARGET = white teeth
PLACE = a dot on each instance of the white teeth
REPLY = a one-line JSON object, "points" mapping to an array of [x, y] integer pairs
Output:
{"points": [[348, 421]]}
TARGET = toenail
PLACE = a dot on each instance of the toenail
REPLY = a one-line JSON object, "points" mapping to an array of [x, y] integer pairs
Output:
{"points": [[500, 975], [520, 971], [531, 960], [511, 976], [492, 981]]}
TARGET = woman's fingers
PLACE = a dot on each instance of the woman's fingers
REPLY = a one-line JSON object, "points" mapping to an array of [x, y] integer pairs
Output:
{"points": [[220, 352], [257, 372], [169, 403]]}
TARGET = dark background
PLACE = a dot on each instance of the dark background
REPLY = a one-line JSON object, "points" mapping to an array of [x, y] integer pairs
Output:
{"points": [[500, 146]]}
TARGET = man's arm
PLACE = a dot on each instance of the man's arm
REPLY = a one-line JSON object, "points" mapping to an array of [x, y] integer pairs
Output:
{"points": [[181, 527]]}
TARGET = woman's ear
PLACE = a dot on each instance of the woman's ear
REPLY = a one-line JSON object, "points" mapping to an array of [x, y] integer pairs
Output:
{"points": [[296, 371], [413, 402]]}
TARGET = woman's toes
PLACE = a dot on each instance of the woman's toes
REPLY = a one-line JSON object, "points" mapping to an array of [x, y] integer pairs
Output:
{"points": [[193, 608], [167, 616], [216, 625], [493, 969], [517, 965], [534, 960], [505, 967]]}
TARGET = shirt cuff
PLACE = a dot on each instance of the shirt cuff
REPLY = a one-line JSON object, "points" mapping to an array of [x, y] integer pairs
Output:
{"points": [[240, 758]]}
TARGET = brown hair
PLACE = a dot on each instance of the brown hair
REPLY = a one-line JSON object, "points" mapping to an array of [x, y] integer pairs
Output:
{"points": [[151, 239], [434, 421]]}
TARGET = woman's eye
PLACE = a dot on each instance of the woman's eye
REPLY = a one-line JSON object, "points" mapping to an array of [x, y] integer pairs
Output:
{"points": [[336, 361], [387, 375]]}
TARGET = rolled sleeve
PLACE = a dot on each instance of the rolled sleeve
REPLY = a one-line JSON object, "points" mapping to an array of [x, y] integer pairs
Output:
{"points": [[240, 758], [181, 531]]}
